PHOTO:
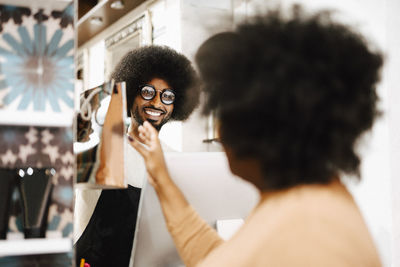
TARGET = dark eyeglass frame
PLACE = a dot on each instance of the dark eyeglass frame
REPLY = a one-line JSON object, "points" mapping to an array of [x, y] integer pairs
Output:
{"points": [[141, 87]]}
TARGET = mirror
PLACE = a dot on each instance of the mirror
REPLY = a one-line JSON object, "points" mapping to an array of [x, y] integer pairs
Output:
{"points": [[152, 22], [182, 25]]}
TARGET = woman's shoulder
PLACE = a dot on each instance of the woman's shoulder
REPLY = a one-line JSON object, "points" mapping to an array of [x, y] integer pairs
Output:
{"points": [[305, 226], [312, 224]]}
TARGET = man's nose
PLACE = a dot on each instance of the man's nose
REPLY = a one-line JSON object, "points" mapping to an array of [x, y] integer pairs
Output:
{"points": [[156, 101]]}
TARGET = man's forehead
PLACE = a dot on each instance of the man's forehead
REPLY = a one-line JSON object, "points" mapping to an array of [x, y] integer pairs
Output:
{"points": [[159, 83]]}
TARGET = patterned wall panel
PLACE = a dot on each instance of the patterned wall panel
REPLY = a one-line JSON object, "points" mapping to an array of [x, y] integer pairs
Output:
{"points": [[37, 94], [36, 66], [43, 147]]}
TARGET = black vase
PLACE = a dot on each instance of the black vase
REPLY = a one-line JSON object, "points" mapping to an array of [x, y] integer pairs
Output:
{"points": [[35, 186], [7, 185]]}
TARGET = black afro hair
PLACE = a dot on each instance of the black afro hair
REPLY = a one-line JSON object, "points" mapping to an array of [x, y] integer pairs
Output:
{"points": [[294, 92], [141, 65]]}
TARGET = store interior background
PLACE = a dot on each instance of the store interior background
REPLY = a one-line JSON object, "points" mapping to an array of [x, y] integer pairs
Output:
{"points": [[185, 24]]}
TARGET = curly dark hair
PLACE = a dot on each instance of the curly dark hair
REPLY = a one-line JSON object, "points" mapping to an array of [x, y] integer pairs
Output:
{"points": [[294, 93], [143, 64]]}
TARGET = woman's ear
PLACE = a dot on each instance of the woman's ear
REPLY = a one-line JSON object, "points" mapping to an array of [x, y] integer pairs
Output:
{"points": [[249, 169], [232, 160]]}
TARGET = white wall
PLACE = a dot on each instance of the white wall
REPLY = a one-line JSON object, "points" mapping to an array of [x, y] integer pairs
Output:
{"points": [[393, 83]]}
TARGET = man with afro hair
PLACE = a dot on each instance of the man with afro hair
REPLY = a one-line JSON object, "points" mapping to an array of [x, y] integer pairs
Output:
{"points": [[161, 68], [161, 85]]}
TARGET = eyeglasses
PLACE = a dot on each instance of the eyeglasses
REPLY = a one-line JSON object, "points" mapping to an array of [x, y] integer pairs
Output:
{"points": [[148, 92]]}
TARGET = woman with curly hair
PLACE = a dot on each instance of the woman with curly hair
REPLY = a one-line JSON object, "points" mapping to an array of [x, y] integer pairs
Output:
{"points": [[292, 95]]}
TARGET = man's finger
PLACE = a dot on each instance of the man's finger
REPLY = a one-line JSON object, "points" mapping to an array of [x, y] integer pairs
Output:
{"points": [[145, 139], [139, 147], [152, 132], [144, 133]]}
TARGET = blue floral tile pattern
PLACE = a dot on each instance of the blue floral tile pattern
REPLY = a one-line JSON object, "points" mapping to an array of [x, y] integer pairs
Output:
{"points": [[8, 12], [40, 16], [36, 61], [66, 16]]}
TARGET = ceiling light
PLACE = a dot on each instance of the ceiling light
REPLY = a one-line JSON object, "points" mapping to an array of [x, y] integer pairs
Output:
{"points": [[118, 4], [96, 21]]}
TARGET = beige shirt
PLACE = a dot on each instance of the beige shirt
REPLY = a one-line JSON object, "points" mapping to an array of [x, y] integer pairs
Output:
{"points": [[308, 225]]}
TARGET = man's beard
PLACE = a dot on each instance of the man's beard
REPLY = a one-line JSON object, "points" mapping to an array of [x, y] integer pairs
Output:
{"points": [[140, 120]]}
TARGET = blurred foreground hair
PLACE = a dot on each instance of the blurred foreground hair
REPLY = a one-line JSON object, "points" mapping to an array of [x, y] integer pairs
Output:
{"points": [[293, 92]]}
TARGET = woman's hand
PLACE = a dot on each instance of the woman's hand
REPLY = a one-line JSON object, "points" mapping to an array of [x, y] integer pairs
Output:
{"points": [[151, 152], [173, 203]]}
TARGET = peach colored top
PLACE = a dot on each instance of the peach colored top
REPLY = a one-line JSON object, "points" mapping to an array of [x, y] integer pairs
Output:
{"points": [[308, 225]]}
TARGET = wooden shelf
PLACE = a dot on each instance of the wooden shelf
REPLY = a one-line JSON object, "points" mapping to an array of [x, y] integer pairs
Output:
{"points": [[50, 4], [35, 246], [87, 30]]}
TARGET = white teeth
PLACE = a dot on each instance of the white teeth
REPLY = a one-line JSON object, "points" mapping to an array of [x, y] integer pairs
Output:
{"points": [[153, 113]]}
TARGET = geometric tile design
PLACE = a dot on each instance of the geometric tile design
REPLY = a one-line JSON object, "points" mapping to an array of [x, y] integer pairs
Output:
{"points": [[36, 60], [36, 76], [24, 146]]}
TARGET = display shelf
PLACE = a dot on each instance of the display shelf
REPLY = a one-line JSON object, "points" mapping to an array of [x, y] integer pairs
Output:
{"points": [[35, 246], [52, 4], [25, 118], [86, 29]]}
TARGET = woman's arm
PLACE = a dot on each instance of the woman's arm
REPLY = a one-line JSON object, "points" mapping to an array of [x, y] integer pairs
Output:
{"points": [[193, 237]]}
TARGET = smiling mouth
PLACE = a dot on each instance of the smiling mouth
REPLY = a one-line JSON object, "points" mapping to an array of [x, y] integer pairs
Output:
{"points": [[153, 112]]}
